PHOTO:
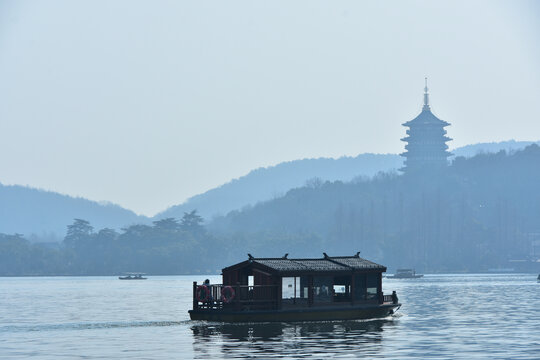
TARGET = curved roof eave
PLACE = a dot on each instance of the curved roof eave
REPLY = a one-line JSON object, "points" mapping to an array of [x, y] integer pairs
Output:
{"points": [[426, 117]]}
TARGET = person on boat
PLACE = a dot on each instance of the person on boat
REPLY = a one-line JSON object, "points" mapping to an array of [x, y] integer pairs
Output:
{"points": [[394, 297], [324, 290], [207, 284]]}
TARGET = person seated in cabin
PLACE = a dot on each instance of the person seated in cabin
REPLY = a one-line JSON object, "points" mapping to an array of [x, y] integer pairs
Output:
{"points": [[324, 290]]}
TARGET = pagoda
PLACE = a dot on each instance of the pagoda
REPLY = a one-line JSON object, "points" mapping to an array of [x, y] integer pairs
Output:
{"points": [[426, 148]]}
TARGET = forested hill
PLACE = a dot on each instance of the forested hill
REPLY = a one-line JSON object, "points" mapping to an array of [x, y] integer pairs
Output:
{"points": [[481, 213], [30, 211], [267, 183], [46, 214], [492, 147], [272, 182]]}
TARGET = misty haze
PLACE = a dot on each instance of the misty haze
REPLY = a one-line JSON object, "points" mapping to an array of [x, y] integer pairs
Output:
{"points": [[308, 179]]}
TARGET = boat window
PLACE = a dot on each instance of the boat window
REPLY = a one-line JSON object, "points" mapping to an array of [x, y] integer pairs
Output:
{"points": [[303, 287], [295, 289], [287, 291], [342, 288], [372, 282], [322, 288], [299, 280], [250, 280], [359, 287]]}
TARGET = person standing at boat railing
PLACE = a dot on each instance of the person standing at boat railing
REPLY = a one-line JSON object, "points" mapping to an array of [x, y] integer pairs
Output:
{"points": [[210, 295], [394, 297]]}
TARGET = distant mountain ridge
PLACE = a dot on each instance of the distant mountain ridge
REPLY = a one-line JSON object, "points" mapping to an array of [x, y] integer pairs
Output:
{"points": [[46, 214], [266, 183], [492, 147]]}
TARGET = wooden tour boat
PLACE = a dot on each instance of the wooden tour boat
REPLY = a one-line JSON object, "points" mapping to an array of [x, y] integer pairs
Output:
{"points": [[283, 289]]}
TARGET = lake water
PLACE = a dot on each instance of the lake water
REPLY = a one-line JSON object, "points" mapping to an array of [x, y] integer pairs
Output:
{"points": [[443, 316]]}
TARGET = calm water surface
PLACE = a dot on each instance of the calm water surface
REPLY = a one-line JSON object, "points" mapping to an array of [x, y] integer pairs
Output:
{"points": [[443, 316]]}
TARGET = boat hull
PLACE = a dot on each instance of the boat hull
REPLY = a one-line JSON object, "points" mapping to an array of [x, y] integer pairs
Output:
{"points": [[306, 314]]}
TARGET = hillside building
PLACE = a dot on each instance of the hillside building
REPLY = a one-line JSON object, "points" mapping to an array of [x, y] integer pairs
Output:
{"points": [[426, 148]]}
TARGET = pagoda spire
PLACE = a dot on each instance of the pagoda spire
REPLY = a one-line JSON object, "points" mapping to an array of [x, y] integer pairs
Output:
{"points": [[426, 96]]}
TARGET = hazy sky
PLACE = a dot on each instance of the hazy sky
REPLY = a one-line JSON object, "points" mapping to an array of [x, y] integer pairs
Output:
{"points": [[146, 103]]}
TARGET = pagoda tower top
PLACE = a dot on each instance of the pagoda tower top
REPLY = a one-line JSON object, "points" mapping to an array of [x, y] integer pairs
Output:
{"points": [[426, 140], [426, 96]]}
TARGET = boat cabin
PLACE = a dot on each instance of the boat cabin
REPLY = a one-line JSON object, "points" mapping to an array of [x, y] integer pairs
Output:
{"points": [[283, 283]]}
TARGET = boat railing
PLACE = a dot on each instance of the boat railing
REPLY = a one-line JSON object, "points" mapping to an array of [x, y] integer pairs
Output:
{"points": [[252, 297], [242, 297], [390, 299]]}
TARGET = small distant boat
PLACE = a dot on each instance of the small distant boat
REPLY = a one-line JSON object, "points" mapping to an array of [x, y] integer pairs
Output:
{"points": [[405, 274], [133, 276]]}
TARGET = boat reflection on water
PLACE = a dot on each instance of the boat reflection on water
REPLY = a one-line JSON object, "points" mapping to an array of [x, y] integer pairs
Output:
{"points": [[291, 339]]}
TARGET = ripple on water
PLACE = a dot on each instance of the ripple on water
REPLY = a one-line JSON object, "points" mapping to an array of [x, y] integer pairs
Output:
{"points": [[87, 326], [452, 316]]}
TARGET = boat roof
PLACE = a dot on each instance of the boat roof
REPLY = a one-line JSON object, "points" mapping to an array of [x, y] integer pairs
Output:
{"points": [[328, 264]]}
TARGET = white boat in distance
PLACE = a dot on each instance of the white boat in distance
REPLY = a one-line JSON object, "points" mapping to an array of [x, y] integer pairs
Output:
{"points": [[405, 274], [132, 276]]}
